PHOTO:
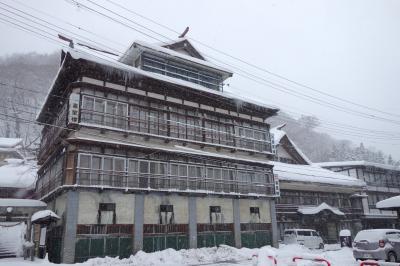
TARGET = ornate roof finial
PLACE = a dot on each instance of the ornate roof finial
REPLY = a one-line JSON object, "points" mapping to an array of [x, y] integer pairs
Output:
{"points": [[184, 32]]}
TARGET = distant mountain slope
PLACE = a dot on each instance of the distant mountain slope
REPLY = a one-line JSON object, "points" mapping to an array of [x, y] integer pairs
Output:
{"points": [[34, 72], [322, 147]]}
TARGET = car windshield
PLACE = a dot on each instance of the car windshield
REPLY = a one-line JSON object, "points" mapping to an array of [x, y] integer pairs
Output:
{"points": [[289, 232]]}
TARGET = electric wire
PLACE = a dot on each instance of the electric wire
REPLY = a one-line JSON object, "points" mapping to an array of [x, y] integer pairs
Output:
{"points": [[251, 64]]}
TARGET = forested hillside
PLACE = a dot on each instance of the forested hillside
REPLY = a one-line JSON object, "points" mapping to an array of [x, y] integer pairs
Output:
{"points": [[25, 79]]}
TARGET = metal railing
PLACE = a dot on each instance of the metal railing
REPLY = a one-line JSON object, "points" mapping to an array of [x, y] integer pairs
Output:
{"points": [[171, 182]]}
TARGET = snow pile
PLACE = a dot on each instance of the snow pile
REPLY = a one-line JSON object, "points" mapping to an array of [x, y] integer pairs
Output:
{"points": [[319, 208], [171, 257], [393, 202], [18, 173], [43, 214], [215, 256]]}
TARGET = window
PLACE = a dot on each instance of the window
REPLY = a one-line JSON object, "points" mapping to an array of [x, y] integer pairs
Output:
{"points": [[182, 71], [144, 172], [213, 179], [253, 137], [196, 177], [255, 214], [178, 124], [104, 112], [166, 214], [304, 233], [179, 176], [314, 233], [215, 214], [158, 172], [106, 213], [229, 183]]}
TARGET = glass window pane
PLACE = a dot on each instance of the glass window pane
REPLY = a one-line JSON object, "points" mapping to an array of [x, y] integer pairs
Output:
{"points": [[84, 161]]}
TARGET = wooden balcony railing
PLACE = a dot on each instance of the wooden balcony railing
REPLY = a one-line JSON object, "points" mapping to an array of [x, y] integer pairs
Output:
{"points": [[171, 182], [219, 227], [101, 229], [149, 229], [255, 227]]}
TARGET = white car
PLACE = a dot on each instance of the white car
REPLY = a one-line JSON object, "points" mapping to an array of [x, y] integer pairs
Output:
{"points": [[307, 237]]}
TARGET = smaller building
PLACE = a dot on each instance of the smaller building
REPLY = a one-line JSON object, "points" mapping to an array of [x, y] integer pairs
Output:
{"points": [[383, 181], [313, 197], [15, 224]]}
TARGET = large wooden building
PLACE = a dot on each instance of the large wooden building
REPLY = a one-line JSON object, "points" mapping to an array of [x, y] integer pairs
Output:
{"points": [[313, 197], [150, 153], [383, 181]]}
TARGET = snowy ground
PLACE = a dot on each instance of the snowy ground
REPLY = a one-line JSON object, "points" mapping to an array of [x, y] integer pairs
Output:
{"points": [[224, 255]]}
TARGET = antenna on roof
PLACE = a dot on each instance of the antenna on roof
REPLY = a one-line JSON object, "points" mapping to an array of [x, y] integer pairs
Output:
{"points": [[184, 32]]}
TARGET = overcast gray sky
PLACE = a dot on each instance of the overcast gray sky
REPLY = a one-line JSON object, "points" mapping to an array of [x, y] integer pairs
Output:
{"points": [[349, 49]]}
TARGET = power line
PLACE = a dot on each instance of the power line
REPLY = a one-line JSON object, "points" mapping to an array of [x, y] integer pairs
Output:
{"points": [[36, 28], [47, 22], [253, 65], [308, 96], [73, 25], [271, 84]]}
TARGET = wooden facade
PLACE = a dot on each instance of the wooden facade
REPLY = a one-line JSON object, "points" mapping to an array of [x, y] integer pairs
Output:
{"points": [[137, 160]]}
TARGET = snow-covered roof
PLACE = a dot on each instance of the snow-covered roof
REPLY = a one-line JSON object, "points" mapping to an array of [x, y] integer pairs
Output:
{"points": [[313, 174], [173, 53], [358, 163], [43, 215], [317, 209], [18, 173], [10, 142], [278, 134], [393, 202], [80, 54], [8, 202]]}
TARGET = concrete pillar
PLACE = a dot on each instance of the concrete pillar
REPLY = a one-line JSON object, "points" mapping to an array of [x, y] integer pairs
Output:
{"points": [[71, 220], [274, 224], [138, 220], [192, 210], [236, 223]]}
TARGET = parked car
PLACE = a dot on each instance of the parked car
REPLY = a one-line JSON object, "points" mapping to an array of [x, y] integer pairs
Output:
{"points": [[307, 237], [377, 244]]}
